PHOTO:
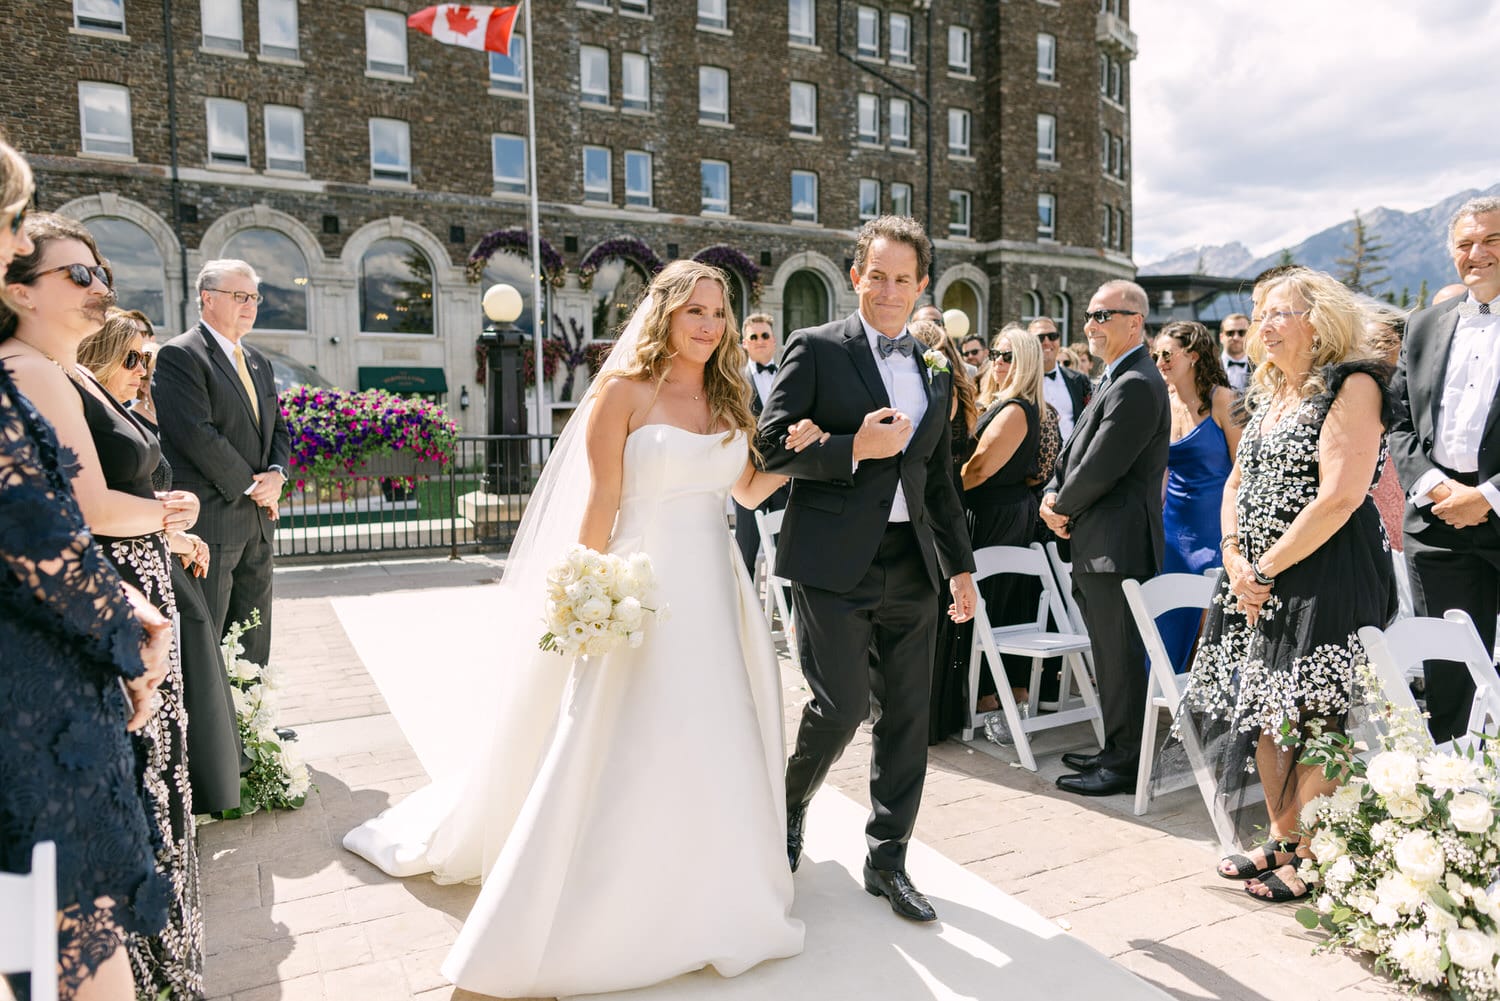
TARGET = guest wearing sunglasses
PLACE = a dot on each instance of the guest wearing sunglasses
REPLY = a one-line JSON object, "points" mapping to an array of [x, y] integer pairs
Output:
{"points": [[1067, 391], [759, 339], [224, 434], [976, 354], [60, 294], [1234, 332]]}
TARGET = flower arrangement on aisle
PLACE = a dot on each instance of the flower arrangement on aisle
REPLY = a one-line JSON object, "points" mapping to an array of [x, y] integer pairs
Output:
{"points": [[277, 779], [598, 601], [1407, 853], [333, 431]]}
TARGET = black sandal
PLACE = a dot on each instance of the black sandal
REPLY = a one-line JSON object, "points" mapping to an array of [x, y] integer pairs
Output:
{"points": [[1280, 892], [1244, 868]]}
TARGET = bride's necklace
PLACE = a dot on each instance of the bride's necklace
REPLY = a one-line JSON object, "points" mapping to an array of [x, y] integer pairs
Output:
{"points": [[694, 396]]}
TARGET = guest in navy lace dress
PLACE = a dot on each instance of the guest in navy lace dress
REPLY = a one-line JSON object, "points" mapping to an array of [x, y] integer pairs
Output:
{"points": [[69, 637], [59, 294]]}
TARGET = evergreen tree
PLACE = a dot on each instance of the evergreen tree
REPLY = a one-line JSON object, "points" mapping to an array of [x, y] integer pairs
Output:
{"points": [[1286, 260], [1421, 302], [1364, 270]]}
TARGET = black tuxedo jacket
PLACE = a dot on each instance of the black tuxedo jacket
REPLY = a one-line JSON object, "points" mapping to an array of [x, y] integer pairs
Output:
{"points": [[209, 433], [837, 515], [1079, 387], [756, 403], [1418, 389], [1108, 477]]}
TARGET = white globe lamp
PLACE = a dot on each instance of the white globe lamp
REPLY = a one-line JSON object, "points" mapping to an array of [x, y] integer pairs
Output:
{"points": [[502, 303], [956, 323]]}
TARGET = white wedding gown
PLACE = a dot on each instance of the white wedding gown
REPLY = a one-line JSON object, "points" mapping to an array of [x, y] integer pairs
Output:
{"points": [[643, 837]]}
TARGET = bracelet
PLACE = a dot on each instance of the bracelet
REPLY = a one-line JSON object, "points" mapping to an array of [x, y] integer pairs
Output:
{"points": [[1260, 578], [1229, 542]]}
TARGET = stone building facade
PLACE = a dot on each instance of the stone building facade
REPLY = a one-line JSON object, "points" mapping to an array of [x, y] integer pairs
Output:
{"points": [[359, 165]]}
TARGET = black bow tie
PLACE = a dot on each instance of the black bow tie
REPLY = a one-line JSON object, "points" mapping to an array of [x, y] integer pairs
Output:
{"points": [[759, 368], [1051, 375], [1238, 364], [905, 344]]}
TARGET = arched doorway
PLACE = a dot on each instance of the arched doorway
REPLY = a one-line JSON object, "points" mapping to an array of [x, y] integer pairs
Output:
{"points": [[965, 298], [140, 274], [805, 301]]}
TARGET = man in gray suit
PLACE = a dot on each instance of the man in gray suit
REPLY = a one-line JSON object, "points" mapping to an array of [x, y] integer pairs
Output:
{"points": [[1446, 444], [224, 436], [1105, 496]]}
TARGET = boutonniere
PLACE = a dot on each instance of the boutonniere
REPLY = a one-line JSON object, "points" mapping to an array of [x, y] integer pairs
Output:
{"points": [[936, 360]]}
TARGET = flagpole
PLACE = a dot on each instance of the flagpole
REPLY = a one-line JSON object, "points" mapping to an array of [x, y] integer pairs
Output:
{"points": [[539, 316]]}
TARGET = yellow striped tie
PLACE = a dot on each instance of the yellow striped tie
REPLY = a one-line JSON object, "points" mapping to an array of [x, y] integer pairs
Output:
{"points": [[239, 366]]}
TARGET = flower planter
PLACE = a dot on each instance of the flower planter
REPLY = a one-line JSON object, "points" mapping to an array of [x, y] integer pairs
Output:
{"points": [[400, 463]]}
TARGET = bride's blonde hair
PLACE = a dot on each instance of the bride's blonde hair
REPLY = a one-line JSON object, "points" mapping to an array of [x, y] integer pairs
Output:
{"points": [[725, 385]]}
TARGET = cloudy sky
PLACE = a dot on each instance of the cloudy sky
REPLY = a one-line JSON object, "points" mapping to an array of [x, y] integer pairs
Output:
{"points": [[1265, 121]]}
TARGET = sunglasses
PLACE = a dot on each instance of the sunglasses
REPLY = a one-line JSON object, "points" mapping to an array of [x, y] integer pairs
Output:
{"points": [[1005, 356], [1235, 333], [16, 220], [1103, 316], [974, 352], [1050, 335], [1066, 363], [1162, 357], [240, 297], [134, 360], [758, 337], [82, 275]]}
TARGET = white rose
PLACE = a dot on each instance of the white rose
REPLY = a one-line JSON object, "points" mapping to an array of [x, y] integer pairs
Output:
{"points": [[598, 645], [582, 590], [594, 610], [643, 571], [562, 574], [1384, 915], [1448, 772], [1340, 873], [619, 630], [559, 616], [1473, 950], [1419, 955], [1394, 774], [243, 706], [1408, 809], [1471, 812], [1309, 814], [1327, 846], [1419, 856], [1400, 891], [1325, 904], [629, 611], [628, 585], [1367, 941], [1384, 831]]}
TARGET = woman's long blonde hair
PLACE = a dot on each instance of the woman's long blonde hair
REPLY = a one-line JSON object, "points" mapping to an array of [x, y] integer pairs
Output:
{"points": [[103, 352], [1024, 379], [1338, 328], [725, 385]]}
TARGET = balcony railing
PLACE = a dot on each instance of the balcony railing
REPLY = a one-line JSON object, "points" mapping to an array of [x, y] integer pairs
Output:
{"points": [[1114, 33]]}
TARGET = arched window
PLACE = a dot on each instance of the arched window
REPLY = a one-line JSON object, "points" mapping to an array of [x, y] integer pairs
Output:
{"points": [[1062, 314], [515, 271], [963, 296], [1033, 307], [618, 287], [283, 276], [395, 289], [804, 301], [140, 274]]}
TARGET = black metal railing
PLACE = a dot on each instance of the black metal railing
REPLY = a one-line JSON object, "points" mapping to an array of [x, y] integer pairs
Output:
{"points": [[470, 504]]}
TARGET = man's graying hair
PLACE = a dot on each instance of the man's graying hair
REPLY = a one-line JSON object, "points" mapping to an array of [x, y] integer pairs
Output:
{"points": [[1483, 205], [898, 229], [213, 272], [1133, 293]]}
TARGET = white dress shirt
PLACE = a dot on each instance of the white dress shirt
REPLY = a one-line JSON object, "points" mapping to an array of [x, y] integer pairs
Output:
{"points": [[1238, 371], [1469, 385], [225, 344], [907, 390], [1055, 391], [762, 380]]}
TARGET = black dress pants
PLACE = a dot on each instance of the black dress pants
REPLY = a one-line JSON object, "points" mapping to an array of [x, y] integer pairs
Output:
{"points": [[1119, 665]]}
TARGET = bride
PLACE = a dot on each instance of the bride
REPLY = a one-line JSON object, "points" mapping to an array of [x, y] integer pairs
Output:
{"points": [[627, 814]]}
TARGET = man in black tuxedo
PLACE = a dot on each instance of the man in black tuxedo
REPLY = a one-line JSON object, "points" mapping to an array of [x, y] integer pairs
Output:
{"points": [[1106, 497], [1446, 444], [1065, 389], [224, 436], [872, 529], [759, 338], [1234, 331]]}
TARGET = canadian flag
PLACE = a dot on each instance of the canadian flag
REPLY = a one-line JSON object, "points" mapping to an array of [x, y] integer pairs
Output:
{"points": [[485, 28]]}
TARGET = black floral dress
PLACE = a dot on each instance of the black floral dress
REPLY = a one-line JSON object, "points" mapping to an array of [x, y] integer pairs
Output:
{"points": [[1300, 661], [128, 457], [67, 768]]}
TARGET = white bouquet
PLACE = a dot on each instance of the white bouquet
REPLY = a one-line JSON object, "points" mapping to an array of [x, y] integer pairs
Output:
{"points": [[597, 601]]}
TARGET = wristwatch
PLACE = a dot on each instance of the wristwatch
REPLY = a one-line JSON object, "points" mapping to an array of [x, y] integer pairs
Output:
{"points": [[278, 469]]}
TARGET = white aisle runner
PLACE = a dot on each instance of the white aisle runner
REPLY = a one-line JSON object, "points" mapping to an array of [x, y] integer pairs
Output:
{"points": [[985, 945]]}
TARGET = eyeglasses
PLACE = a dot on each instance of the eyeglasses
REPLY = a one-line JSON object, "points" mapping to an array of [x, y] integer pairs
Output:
{"points": [[82, 275], [1050, 335], [1005, 356], [1103, 316], [134, 360], [1162, 357], [240, 297], [1277, 315], [759, 337]]}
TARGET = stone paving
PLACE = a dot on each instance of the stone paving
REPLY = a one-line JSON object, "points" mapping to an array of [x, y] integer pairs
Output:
{"points": [[291, 916]]}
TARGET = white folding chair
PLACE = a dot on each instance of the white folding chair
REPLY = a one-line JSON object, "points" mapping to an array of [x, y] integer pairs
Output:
{"points": [[1403, 588], [28, 922], [1396, 650], [778, 589], [1062, 571], [1029, 639]]}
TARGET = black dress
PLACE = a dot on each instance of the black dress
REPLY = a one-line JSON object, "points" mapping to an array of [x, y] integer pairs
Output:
{"points": [[67, 768], [945, 715], [128, 456]]}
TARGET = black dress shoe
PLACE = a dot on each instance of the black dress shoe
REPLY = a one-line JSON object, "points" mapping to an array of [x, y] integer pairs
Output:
{"points": [[895, 886], [796, 817], [1099, 782], [1083, 762], [286, 733]]}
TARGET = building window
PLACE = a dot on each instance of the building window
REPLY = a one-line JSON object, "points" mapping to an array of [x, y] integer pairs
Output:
{"points": [[713, 13], [104, 118], [804, 108], [900, 198], [960, 208], [900, 123], [508, 73], [900, 39], [1119, 229], [385, 42], [222, 27], [715, 175], [868, 35], [1104, 150], [637, 178], [100, 15], [1046, 216], [390, 150], [598, 186], [635, 6], [1116, 84], [713, 94], [869, 118], [509, 155], [286, 148], [960, 52], [869, 198], [801, 22], [1046, 138], [1104, 74], [635, 82], [140, 273], [1033, 307], [958, 132], [1106, 229], [1046, 57], [278, 29], [395, 289], [804, 196], [593, 74], [1062, 313], [1117, 156], [282, 269]]}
